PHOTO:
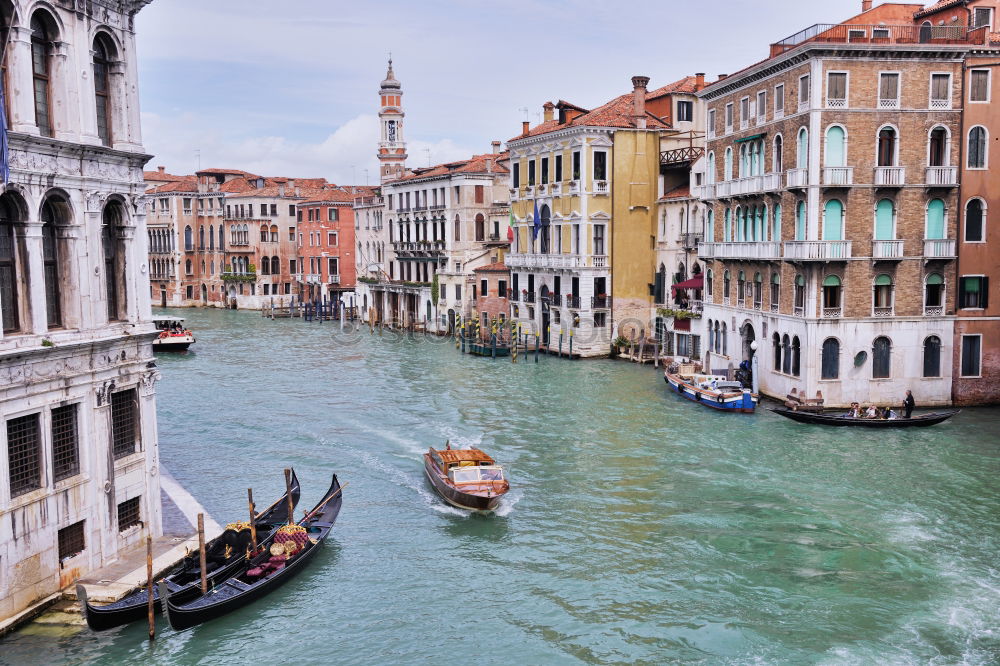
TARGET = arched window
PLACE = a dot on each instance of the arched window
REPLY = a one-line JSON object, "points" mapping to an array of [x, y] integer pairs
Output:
{"points": [[882, 297], [977, 148], [458, 229], [727, 228], [728, 165], [710, 173], [265, 266], [831, 359], [546, 215], [275, 266], [926, 32], [776, 224], [935, 219], [740, 287], [274, 232], [188, 238], [480, 227], [718, 338], [885, 220], [800, 221], [882, 358], [725, 340], [836, 147], [114, 260], [833, 220], [11, 278], [934, 294], [786, 355], [937, 148], [800, 295], [188, 267], [887, 146], [42, 36], [710, 227], [831, 296], [660, 285], [103, 55], [932, 356], [263, 233], [777, 160], [739, 224], [796, 356], [211, 237], [776, 352], [222, 237], [708, 282], [51, 258], [802, 156], [975, 229], [758, 291], [775, 291], [201, 238], [725, 285]]}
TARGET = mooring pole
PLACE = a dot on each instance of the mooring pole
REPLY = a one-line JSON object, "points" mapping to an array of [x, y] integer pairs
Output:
{"points": [[150, 603], [560, 342], [201, 553], [538, 343]]}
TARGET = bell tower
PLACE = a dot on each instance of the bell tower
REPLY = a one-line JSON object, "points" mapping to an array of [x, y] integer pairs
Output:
{"points": [[391, 146]]}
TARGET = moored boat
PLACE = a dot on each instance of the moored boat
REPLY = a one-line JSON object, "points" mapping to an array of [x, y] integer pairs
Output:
{"points": [[918, 421], [224, 555], [290, 550], [466, 478], [712, 391], [173, 335]]}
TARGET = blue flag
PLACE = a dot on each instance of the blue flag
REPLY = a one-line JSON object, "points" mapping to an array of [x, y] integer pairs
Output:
{"points": [[538, 223], [4, 148]]}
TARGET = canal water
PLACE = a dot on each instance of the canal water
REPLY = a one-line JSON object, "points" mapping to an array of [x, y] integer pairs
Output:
{"points": [[640, 528]]}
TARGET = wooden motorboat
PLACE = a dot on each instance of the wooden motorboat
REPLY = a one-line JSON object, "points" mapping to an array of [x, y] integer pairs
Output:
{"points": [[289, 551], [712, 391], [918, 421], [224, 556], [466, 478], [173, 335]]}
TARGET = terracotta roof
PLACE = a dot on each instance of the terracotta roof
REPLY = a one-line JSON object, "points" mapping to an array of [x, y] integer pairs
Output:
{"points": [[178, 186], [616, 113], [228, 172], [689, 84], [475, 164], [498, 267], [681, 192], [163, 176], [340, 194], [938, 6]]}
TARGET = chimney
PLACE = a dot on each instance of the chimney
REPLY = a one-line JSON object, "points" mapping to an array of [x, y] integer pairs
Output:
{"points": [[699, 80], [281, 189], [547, 111], [639, 84], [866, 5], [298, 191], [161, 169], [496, 147], [524, 127], [723, 76]]}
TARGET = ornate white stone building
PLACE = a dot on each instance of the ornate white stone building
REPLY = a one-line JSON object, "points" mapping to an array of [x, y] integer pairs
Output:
{"points": [[79, 482]]}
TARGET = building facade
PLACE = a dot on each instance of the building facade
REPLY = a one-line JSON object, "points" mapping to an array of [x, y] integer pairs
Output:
{"points": [[326, 244], [833, 170], [80, 485]]}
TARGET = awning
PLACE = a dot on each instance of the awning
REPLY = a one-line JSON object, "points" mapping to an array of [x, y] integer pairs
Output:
{"points": [[696, 282], [750, 138]]}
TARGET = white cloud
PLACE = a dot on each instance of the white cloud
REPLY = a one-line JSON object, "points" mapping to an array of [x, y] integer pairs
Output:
{"points": [[341, 157]]}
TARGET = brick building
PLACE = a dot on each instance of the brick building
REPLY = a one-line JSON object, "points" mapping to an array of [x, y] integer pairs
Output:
{"points": [[492, 305], [833, 185]]}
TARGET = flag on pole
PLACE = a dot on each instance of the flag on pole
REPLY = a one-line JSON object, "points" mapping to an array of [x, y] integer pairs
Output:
{"points": [[538, 223], [510, 227]]}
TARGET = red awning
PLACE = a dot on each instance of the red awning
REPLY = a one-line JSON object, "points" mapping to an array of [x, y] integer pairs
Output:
{"points": [[697, 282]]}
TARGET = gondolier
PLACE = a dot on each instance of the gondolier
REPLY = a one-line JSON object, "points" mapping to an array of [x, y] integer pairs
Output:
{"points": [[908, 404]]}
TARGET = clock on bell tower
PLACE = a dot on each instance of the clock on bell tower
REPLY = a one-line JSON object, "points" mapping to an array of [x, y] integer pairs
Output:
{"points": [[391, 146]]}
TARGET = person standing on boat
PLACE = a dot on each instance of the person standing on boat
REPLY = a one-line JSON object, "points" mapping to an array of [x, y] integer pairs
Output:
{"points": [[908, 404]]}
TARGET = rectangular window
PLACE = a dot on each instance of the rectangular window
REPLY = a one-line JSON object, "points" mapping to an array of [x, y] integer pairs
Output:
{"points": [[576, 165], [888, 90], [310, 215], [332, 214], [940, 91], [481, 192], [458, 292], [124, 422], [331, 239], [600, 165], [558, 166], [298, 216], [333, 266], [803, 92], [729, 117], [971, 355], [598, 239], [516, 175], [711, 122], [291, 210], [979, 85], [65, 443], [291, 234], [983, 16], [973, 292], [685, 111], [880, 33], [744, 111], [187, 206], [779, 100], [390, 202], [24, 466], [761, 106], [545, 173], [274, 210], [600, 319], [71, 541], [263, 210], [836, 90], [483, 291], [128, 514], [502, 289], [531, 172]]}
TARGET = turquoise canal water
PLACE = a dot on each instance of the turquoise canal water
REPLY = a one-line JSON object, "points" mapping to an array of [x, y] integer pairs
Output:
{"points": [[640, 527]]}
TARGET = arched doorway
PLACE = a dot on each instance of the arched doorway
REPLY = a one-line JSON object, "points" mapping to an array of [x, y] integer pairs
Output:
{"points": [[451, 322], [544, 293], [747, 336], [204, 295]]}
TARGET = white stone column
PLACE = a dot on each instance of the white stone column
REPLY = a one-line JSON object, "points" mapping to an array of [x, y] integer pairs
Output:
{"points": [[140, 268], [64, 100], [70, 272], [31, 238], [20, 94]]}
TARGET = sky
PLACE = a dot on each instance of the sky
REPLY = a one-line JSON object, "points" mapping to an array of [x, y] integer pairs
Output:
{"points": [[291, 88]]}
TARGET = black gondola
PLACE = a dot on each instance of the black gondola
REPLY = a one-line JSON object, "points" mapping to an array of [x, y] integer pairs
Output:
{"points": [[919, 421], [184, 580], [263, 573]]}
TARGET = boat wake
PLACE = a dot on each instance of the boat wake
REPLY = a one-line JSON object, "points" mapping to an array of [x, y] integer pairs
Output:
{"points": [[508, 502], [405, 480]]}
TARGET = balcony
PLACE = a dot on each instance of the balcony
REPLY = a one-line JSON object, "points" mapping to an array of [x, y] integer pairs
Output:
{"points": [[742, 250], [836, 103], [771, 182], [689, 241], [601, 187], [882, 312], [573, 302], [748, 185], [543, 260], [333, 279], [707, 191], [942, 176], [797, 178], [890, 176], [832, 313], [933, 310], [838, 176], [723, 189], [817, 250], [939, 248], [891, 103], [680, 157], [555, 299], [599, 261], [887, 249], [846, 33], [528, 296], [600, 302], [437, 206], [313, 278]]}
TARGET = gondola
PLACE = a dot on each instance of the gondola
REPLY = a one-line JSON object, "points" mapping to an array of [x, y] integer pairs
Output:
{"points": [[184, 580], [290, 551], [919, 421]]}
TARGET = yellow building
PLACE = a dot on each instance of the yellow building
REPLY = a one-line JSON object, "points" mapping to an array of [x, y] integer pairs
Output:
{"points": [[584, 185]]}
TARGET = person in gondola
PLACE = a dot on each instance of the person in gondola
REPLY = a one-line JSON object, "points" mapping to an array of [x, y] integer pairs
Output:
{"points": [[871, 412], [855, 412], [908, 404]]}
